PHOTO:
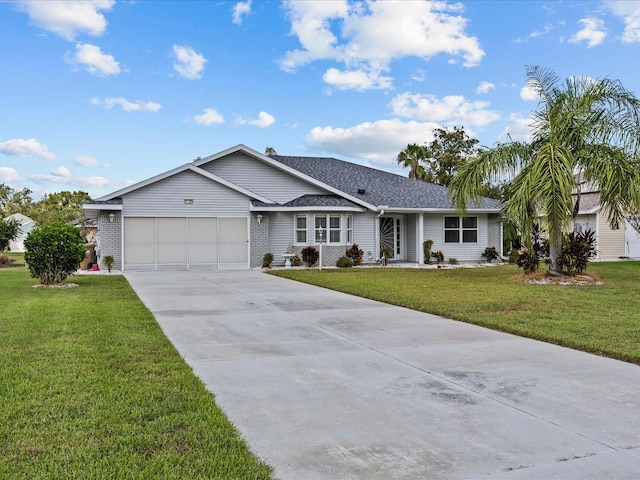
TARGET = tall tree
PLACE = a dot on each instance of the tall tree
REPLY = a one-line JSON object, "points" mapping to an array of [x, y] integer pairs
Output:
{"points": [[14, 201], [411, 157], [581, 125], [62, 207], [447, 152]]}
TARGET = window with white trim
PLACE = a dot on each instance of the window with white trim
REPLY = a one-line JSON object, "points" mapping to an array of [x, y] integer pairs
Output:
{"points": [[349, 228], [460, 229], [301, 229], [328, 228]]}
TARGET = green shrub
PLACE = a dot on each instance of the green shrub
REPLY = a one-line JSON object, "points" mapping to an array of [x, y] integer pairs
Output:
{"points": [[527, 260], [267, 260], [453, 261], [439, 256], [310, 255], [491, 254], [54, 252], [9, 230], [577, 249], [426, 249], [344, 262], [355, 254], [108, 261]]}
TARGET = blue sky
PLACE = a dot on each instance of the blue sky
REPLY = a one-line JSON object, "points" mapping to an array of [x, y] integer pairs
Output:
{"points": [[99, 94]]}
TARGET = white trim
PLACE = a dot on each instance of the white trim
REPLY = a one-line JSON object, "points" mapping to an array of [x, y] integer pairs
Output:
{"points": [[305, 209]]}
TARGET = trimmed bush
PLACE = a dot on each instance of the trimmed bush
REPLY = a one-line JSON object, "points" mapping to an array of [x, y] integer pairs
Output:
{"points": [[54, 252], [344, 262], [491, 254], [577, 249], [310, 255], [355, 254], [267, 260], [426, 249]]}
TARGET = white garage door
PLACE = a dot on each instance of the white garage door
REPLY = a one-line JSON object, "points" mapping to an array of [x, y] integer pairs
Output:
{"points": [[185, 243]]}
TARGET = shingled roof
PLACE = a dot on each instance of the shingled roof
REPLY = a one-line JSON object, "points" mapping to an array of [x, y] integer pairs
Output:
{"points": [[377, 187]]}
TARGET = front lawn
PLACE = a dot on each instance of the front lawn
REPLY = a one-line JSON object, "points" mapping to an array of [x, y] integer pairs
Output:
{"points": [[602, 319], [90, 388]]}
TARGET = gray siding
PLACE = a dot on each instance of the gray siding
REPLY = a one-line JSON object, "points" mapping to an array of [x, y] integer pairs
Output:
{"points": [[260, 178], [166, 198], [259, 240], [364, 234], [466, 252], [410, 235], [280, 235]]}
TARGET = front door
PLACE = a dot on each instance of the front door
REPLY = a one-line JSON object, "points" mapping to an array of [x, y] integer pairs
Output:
{"points": [[390, 237]]}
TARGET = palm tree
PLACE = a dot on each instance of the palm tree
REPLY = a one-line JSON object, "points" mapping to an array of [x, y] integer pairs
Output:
{"points": [[582, 126], [411, 157]]}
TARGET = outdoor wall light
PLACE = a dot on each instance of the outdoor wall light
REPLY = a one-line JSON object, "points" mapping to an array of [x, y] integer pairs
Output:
{"points": [[258, 219], [112, 217]]}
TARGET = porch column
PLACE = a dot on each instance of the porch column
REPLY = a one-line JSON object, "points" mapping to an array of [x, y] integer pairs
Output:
{"points": [[420, 238]]}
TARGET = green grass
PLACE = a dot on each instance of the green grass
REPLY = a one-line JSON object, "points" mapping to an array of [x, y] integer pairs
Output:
{"points": [[601, 319], [90, 388]]}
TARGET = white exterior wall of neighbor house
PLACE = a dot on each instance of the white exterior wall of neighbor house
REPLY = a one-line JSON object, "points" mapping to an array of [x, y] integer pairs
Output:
{"points": [[610, 243], [632, 241], [411, 253], [495, 232], [465, 252], [257, 177]]}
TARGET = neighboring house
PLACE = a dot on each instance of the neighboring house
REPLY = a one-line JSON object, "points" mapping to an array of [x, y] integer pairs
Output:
{"points": [[229, 209], [26, 225], [611, 243]]}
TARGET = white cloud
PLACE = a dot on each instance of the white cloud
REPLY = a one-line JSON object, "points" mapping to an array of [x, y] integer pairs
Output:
{"points": [[356, 80], [87, 161], [539, 33], [189, 63], [378, 141], [8, 175], [241, 9], [592, 32], [264, 120], [451, 109], [209, 117], [484, 87], [20, 147], [518, 130], [94, 60], [528, 94], [68, 18], [629, 12], [61, 172], [365, 36], [127, 106]]}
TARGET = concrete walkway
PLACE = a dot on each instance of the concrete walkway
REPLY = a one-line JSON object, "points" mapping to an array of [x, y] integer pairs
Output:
{"points": [[324, 385]]}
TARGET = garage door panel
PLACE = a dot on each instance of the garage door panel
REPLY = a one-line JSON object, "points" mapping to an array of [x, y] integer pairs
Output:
{"points": [[171, 230], [203, 230], [139, 230], [233, 230], [203, 253], [233, 253], [141, 254], [179, 243]]}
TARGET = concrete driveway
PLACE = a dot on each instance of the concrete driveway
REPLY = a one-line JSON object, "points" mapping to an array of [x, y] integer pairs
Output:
{"points": [[324, 385]]}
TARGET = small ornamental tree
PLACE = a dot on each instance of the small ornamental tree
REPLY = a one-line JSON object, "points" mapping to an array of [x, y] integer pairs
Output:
{"points": [[54, 252], [310, 255], [355, 254], [9, 230]]}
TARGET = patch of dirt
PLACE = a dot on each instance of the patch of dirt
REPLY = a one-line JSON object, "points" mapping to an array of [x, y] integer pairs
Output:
{"points": [[545, 278]]}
